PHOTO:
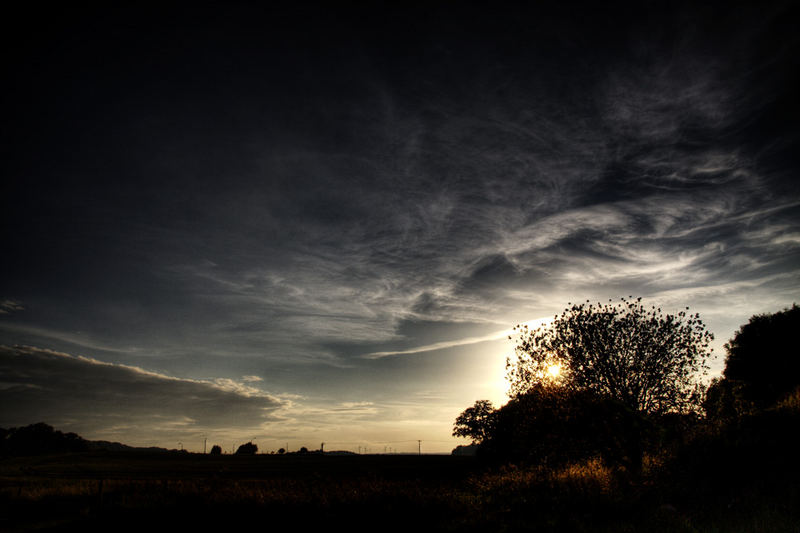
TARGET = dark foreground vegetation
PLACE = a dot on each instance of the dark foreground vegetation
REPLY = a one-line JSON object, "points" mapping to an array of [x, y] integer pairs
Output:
{"points": [[597, 446], [741, 479]]}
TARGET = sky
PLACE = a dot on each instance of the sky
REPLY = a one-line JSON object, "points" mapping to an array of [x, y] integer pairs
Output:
{"points": [[308, 224]]}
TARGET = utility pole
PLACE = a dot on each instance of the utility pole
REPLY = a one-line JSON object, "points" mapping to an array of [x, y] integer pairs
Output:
{"points": [[419, 447], [205, 439], [322, 448]]}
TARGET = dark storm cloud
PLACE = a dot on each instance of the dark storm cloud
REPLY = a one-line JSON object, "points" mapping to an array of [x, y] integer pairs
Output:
{"points": [[75, 391]]}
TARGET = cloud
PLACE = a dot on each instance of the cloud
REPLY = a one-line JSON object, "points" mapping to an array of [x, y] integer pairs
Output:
{"points": [[356, 408], [58, 336], [490, 273], [439, 345], [89, 395], [464, 341], [10, 306]]}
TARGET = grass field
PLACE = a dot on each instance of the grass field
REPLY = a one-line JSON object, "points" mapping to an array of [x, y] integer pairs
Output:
{"points": [[135, 491]]}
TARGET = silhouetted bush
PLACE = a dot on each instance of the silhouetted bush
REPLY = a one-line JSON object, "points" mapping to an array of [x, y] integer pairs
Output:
{"points": [[553, 426], [247, 448], [760, 446], [470, 450], [726, 400], [216, 450]]}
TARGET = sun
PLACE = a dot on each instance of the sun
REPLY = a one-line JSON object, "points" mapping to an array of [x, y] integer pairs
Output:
{"points": [[554, 370]]}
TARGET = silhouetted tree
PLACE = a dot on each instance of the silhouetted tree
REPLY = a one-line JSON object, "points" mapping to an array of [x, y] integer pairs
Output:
{"points": [[475, 422], [247, 448], [281, 451], [762, 358], [302, 449], [216, 450], [648, 361]]}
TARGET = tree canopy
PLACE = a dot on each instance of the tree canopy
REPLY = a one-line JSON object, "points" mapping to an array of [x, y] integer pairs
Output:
{"points": [[475, 422], [763, 357], [643, 358], [762, 367]]}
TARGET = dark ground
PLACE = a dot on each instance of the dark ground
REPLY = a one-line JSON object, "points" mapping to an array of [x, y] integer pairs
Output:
{"points": [[94, 491], [129, 490]]}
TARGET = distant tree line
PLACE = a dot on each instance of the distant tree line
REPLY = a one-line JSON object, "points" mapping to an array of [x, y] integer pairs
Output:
{"points": [[40, 438], [37, 439]]}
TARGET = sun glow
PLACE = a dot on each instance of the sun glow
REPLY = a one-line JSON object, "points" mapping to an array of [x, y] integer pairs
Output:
{"points": [[554, 370]]}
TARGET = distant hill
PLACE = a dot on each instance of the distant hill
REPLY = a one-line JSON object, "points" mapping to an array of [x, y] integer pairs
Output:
{"points": [[40, 438], [104, 445]]}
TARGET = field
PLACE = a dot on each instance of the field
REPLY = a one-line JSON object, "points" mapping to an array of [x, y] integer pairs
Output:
{"points": [[132, 491]]}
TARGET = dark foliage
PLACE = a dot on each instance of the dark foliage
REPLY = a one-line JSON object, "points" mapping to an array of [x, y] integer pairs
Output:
{"points": [[666, 433], [216, 450], [763, 361], [755, 454], [725, 400], [553, 426], [248, 448], [38, 439]]}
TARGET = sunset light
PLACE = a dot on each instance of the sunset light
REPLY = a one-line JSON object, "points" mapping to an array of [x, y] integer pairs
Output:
{"points": [[554, 370], [296, 224], [252, 240]]}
